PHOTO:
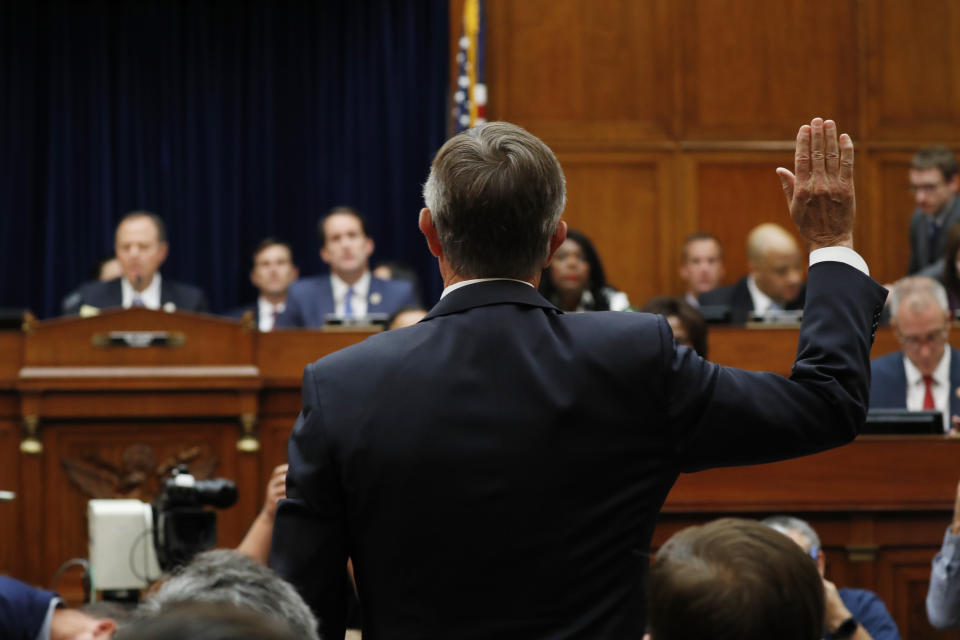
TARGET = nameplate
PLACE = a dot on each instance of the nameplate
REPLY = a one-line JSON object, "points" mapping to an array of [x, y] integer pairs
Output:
{"points": [[138, 339]]}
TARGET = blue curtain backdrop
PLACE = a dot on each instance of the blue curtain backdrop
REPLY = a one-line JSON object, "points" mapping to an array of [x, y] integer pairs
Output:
{"points": [[232, 120]]}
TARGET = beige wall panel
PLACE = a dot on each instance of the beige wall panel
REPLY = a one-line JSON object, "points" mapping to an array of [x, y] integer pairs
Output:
{"points": [[913, 55], [618, 202], [755, 70], [582, 74]]}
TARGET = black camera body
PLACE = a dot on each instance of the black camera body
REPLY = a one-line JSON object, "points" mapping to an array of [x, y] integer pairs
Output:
{"points": [[182, 527]]}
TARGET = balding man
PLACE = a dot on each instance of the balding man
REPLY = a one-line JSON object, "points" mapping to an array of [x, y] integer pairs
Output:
{"points": [[27, 613], [775, 281], [141, 247], [925, 374]]}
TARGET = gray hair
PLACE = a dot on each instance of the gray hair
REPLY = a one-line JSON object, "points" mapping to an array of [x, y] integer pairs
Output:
{"points": [[495, 194], [788, 524], [916, 288], [228, 577]]}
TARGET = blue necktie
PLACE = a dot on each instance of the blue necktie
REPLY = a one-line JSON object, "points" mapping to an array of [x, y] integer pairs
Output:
{"points": [[137, 301], [348, 303]]}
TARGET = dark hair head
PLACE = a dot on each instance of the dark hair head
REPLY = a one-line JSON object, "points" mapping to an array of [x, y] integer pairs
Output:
{"points": [[266, 243], [340, 210], [206, 621], [598, 279], [157, 222], [734, 579], [688, 315], [936, 157], [696, 236], [495, 195]]}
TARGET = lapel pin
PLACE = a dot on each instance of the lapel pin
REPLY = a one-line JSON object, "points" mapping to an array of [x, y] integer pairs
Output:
{"points": [[169, 307], [376, 298]]}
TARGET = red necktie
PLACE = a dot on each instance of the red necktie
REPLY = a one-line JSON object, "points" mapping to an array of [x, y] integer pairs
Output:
{"points": [[928, 394]]}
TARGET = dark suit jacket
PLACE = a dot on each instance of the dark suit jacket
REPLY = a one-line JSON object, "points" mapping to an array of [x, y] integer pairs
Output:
{"points": [[888, 382], [104, 295], [22, 609], [239, 311], [311, 299], [737, 298], [496, 470], [921, 261]]}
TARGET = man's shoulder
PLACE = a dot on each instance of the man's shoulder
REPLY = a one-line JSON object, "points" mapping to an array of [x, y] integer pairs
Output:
{"points": [[239, 311], [310, 285], [724, 295], [887, 362], [186, 297]]}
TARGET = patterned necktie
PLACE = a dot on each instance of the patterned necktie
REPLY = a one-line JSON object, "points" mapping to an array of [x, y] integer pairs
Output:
{"points": [[928, 394], [348, 303]]}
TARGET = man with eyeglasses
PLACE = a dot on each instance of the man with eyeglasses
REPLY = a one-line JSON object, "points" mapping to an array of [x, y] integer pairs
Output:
{"points": [[925, 374], [934, 183]]}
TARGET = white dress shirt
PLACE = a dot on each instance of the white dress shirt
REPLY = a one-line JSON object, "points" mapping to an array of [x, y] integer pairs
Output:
{"points": [[940, 388], [150, 296], [762, 303], [267, 313], [358, 302]]}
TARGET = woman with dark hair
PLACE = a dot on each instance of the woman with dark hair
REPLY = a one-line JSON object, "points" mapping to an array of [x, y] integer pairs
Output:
{"points": [[575, 281], [951, 267], [689, 327]]}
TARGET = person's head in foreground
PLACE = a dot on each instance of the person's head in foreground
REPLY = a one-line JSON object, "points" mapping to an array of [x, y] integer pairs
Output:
{"points": [[734, 579], [920, 314], [483, 222], [687, 323], [228, 577], [207, 621]]}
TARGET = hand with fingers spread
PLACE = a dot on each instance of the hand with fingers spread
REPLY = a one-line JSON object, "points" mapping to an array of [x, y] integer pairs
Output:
{"points": [[820, 192]]}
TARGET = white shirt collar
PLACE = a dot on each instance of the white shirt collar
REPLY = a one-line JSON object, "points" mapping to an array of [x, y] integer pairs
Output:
{"points": [[265, 310], [464, 283], [150, 296], [358, 302], [941, 375], [761, 301]]}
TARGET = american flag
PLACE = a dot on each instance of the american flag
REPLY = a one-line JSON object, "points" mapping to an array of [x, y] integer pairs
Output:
{"points": [[470, 97]]}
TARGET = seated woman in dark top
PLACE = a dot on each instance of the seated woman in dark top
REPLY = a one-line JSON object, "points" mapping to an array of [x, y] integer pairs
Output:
{"points": [[575, 281], [689, 327]]}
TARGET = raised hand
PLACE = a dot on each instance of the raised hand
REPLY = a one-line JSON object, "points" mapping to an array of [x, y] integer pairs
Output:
{"points": [[820, 193]]}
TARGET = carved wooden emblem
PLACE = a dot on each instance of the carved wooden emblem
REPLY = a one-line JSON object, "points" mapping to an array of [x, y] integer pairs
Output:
{"points": [[138, 475]]}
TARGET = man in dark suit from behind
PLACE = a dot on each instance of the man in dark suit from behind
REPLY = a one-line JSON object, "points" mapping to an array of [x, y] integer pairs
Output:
{"points": [[925, 373], [272, 274], [775, 281], [141, 247], [496, 470], [350, 291]]}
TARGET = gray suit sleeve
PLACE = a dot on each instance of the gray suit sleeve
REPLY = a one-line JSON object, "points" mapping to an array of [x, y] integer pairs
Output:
{"points": [[943, 595]]}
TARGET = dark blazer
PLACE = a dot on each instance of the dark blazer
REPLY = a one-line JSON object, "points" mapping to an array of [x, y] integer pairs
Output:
{"points": [[737, 298], [23, 609], [239, 311], [104, 295], [310, 300], [921, 261], [888, 382], [496, 470]]}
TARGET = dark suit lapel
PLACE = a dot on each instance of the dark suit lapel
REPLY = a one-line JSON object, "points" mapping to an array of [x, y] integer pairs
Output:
{"points": [[899, 390], [954, 382], [167, 294], [487, 293], [376, 296], [114, 295], [324, 300]]}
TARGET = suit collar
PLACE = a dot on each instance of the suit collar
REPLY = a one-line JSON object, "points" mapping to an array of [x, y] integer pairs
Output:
{"points": [[490, 292]]}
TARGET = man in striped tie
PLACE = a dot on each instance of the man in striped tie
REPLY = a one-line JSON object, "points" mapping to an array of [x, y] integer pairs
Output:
{"points": [[925, 374]]}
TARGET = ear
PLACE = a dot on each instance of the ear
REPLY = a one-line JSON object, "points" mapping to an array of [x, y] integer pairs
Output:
{"points": [[430, 233], [324, 255], [369, 246], [164, 248], [559, 235], [821, 562], [954, 183]]}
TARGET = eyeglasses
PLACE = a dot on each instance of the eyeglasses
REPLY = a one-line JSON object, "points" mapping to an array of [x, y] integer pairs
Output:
{"points": [[925, 188], [915, 342]]}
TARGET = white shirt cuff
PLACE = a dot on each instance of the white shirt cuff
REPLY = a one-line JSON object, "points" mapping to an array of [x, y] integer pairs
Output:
{"points": [[839, 254]]}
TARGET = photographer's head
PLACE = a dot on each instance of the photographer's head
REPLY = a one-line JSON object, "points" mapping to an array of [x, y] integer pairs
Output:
{"points": [[493, 204]]}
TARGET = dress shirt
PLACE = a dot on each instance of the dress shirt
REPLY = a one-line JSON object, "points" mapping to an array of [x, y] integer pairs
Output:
{"points": [[463, 283], [916, 388], [691, 299], [150, 296], [943, 596], [267, 312], [358, 303], [762, 303], [44, 633]]}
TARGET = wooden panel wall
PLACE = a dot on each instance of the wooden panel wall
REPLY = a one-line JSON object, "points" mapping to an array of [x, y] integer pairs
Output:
{"points": [[669, 116]]}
